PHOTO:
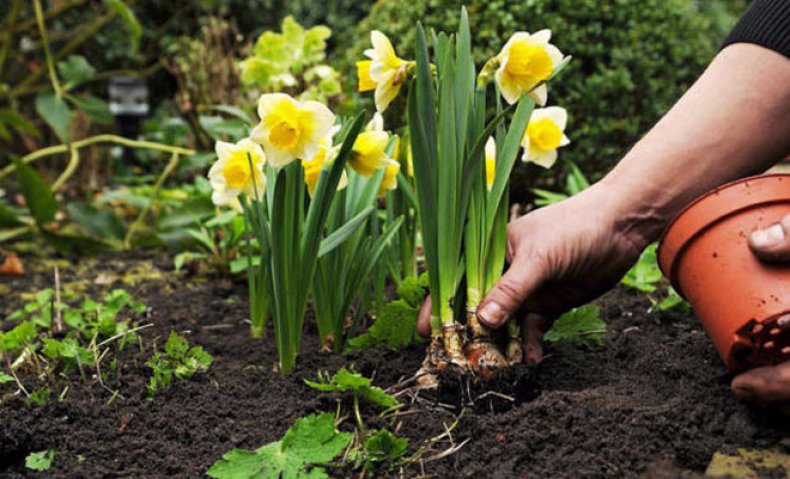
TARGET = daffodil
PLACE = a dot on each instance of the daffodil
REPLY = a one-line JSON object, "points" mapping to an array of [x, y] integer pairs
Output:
{"points": [[368, 153], [291, 129], [490, 155], [409, 161], [544, 134], [239, 169], [363, 74], [385, 72], [324, 157], [390, 180], [525, 63], [376, 123]]}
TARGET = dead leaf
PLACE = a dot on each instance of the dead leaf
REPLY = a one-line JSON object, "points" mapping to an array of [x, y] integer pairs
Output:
{"points": [[747, 463], [11, 265]]}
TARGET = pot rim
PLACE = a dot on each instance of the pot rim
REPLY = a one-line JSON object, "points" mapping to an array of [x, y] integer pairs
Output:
{"points": [[713, 207]]}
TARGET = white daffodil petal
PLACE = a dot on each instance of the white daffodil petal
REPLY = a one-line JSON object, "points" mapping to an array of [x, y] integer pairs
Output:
{"points": [[555, 54], [541, 36], [544, 158], [539, 95], [565, 141], [557, 114], [224, 149], [510, 91], [382, 46]]}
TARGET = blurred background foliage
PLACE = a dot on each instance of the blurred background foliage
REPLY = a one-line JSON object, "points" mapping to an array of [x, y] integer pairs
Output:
{"points": [[205, 62]]}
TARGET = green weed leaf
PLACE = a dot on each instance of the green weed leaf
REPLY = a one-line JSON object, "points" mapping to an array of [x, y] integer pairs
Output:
{"points": [[56, 113], [75, 70], [310, 442], [40, 461], [348, 381], [580, 326], [38, 195]]}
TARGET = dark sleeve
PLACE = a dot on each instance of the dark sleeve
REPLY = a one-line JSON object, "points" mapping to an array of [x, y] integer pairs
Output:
{"points": [[765, 23]]}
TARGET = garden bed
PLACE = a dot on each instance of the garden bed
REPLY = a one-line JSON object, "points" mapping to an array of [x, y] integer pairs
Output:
{"points": [[656, 397]]}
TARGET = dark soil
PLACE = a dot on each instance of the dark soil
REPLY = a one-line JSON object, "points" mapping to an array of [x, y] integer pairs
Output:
{"points": [[654, 401]]}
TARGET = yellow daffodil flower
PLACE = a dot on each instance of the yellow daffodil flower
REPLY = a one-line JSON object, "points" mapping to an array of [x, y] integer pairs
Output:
{"points": [[545, 133], [524, 62], [231, 175], [390, 180], [326, 154], [368, 153], [291, 129], [363, 74], [385, 70], [490, 161]]}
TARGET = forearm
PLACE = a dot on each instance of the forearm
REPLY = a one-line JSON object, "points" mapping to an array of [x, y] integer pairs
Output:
{"points": [[733, 122]]}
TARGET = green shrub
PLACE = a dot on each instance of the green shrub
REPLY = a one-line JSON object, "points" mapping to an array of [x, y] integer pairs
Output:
{"points": [[632, 58]]}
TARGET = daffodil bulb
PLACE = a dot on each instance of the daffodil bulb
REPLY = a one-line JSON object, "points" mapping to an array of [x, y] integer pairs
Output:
{"points": [[390, 180], [238, 169], [385, 72], [291, 129], [368, 153], [544, 135], [325, 156], [525, 63], [490, 157]]}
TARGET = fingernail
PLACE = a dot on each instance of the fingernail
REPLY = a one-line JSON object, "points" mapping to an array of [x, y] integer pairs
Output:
{"points": [[768, 237], [492, 315]]}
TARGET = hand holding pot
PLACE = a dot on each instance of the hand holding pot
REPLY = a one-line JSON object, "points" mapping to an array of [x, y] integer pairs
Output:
{"points": [[769, 385]]}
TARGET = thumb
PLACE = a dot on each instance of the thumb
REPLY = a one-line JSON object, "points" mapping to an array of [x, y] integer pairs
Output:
{"points": [[509, 293], [772, 244]]}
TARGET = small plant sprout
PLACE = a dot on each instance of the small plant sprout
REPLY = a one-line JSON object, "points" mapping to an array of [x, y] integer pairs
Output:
{"points": [[177, 361], [312, 441], [40, 461], [461, 194], [375, 447]]}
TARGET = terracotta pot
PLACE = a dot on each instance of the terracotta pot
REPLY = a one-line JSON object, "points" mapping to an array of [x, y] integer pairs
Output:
{"points": [[705, 254]]}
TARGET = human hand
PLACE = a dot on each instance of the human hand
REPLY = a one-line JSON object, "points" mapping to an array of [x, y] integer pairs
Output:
{"points": [[560, 256], [771, 384]]}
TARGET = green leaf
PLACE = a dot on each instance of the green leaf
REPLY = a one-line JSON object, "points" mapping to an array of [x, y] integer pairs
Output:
{"points": [[383, 446], [56, 113], [16, 121], [39, 197], [5, 378], [314, 439], [395, 327], [129, 19], [101, 223], [75, 70], [94, 108], [311, 441], [579, 326], [188, 256], [348, 381], [645, 274], [337, 237], [40, 461]]}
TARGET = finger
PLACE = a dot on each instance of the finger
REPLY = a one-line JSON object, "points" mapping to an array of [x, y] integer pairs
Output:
{"points": [[533, 327], [772, 244], [424, 320], [507, 295], [768, 384]]}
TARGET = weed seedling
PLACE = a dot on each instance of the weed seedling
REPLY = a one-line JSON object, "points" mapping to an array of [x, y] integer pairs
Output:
{"points": [[40, 461], [178, 361]]}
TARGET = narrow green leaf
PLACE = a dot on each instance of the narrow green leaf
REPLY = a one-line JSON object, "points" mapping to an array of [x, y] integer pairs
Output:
{"points": [[337, 237]]}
